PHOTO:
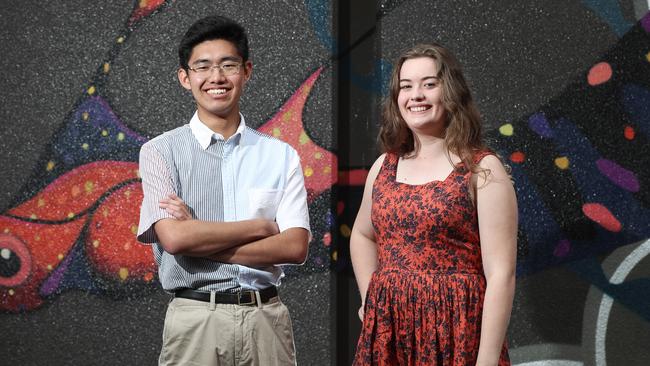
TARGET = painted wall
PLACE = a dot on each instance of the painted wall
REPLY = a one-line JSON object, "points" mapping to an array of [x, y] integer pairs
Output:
{"points": [[564, 87], [85, 84]]}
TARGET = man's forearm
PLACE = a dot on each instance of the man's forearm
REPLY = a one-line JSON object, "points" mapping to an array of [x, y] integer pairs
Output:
{"points": [[199, 238], [288, 247]]}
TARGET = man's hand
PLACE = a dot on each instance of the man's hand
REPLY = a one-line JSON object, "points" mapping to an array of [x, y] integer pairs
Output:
{"points": [[175, 206]]}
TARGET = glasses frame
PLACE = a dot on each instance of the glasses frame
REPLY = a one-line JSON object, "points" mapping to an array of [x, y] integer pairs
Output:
{"points": [[220, 67]]}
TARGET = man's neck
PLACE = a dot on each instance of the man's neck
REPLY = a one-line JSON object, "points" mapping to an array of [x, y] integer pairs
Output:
{"points": [[226, 127]]}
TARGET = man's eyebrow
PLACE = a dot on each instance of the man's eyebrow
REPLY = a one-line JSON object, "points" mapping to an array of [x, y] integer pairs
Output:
{"points": [[227, 58], [231, 58]]}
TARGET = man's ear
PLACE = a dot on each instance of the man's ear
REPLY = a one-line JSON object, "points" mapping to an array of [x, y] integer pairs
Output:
{"points": [[184, 78], [248, 70]]}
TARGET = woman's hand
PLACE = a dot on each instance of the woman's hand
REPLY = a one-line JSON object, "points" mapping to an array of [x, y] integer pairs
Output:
{"points": [[176, 207]]}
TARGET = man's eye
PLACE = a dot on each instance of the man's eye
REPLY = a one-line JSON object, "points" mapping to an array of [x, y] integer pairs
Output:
{"points": [[404, 86], [202, 68], [229, 66]]}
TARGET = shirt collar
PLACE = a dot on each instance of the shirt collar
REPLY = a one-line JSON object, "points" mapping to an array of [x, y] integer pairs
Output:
{"points": [[204, 134]]}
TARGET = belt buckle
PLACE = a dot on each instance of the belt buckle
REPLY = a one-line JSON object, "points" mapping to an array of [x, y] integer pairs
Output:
{"points": [[251, 294]]}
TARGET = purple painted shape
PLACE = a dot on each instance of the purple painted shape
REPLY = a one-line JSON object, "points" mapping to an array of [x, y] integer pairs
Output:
{"points": [[645, 22], [114, 120], [538, 123], [618, 175], [50, 285], [562, 248]]}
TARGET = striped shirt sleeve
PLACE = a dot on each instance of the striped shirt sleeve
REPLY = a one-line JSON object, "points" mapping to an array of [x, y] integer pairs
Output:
{"points": [[157, 183]]}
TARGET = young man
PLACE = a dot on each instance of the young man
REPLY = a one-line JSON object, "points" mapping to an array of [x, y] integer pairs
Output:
{"points": [[223, 206]]}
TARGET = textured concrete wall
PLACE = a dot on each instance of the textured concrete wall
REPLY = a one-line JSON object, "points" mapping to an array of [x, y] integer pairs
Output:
{"points": [[564, 89], [563, 86], [85, 83]]}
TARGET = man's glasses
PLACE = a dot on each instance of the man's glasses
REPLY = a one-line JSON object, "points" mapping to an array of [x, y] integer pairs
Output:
{"points": [[227, 68]]}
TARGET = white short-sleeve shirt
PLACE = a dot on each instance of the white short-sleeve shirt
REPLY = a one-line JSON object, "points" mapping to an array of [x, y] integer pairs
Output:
{"points": [[250, 175]]}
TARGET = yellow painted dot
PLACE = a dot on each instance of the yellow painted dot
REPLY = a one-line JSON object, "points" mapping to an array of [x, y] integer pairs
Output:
{"points": [[89, 186], [335, 255], [6, 231], [345, 230], [107, 67], [562, 162], [127, 246], [60, 256], [124, 273], [120, 39], [105, 212], [85, 116], [11, 292], [318, 155], [49, 267], [309, 172], [91, 90], [286, 117], [137, 173], [276, 132], [506, 130], [50, 166], [134, 229], [127, 193], [327, 169], [104, 133], [71, 215], [41, 202], [75, 191], [96, 243], [33, 216], [120, 136], [143, 3], [303, 139], [84, 146], [37, 238]]}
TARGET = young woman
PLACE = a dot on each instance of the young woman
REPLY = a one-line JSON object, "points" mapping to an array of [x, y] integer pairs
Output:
{"points": [[434, 243]]}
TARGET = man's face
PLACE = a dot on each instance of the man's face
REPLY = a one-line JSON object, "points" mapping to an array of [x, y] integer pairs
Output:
{"points": [[216, 94]]}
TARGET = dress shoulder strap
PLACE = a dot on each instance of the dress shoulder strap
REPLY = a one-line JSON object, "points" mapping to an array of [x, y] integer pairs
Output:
{"points": [[389, 166], [479, 155]]}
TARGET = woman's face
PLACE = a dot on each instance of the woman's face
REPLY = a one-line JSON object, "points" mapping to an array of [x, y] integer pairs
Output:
{"points": [[420, 97]]}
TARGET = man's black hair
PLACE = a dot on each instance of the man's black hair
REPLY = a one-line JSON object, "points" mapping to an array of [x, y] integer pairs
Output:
{"points": [[211, 28]]}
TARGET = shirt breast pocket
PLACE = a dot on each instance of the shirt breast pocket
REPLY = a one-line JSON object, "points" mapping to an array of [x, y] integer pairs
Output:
{"points": [[263, 203]]}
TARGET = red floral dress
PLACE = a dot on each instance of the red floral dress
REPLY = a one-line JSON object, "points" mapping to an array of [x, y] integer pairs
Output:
{"points": [[425, 300]]}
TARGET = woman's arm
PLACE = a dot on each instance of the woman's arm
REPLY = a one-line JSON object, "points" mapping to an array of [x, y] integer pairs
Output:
{"points": [[497, 219], [363, 248]]}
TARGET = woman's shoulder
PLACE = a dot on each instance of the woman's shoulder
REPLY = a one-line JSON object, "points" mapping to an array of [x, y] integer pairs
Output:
{"points": [[492, 167], [377, 167], [479, 155]]}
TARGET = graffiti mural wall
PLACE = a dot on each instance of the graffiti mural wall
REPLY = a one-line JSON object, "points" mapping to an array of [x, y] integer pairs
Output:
{"points": [[564, 88], [87, 83]]}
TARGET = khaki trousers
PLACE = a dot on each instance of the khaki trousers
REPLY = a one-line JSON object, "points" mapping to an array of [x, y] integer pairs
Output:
{"points": [[198, 333]]}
